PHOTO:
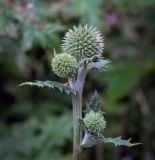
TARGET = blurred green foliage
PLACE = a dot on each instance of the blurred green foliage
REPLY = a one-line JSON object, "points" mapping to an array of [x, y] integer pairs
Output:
{"points": [[36, 123]]}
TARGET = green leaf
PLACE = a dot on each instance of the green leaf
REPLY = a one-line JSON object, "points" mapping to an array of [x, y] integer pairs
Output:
{"points": [[85, 8], [37, 138], [100, 65], [95, 62], [89, 140], [118, 141], [27, 40], [86, 61], [51, 84], [121, 79], [94, 103]]}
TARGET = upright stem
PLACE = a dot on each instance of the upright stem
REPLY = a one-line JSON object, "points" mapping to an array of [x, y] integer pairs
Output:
{"points": [[77, 113], [77, 110]]}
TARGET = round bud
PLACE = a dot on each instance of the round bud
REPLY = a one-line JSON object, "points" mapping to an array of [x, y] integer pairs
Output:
{"points": [[83, 42], [95, 122], [64, 65]]}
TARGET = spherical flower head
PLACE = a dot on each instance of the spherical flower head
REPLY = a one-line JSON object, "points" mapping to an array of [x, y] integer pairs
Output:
{"points": [[95, 122], [64, 65], [83, 42]]}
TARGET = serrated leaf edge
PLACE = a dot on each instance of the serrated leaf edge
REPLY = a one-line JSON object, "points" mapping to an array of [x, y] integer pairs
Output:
{"points": [[51, 84]]}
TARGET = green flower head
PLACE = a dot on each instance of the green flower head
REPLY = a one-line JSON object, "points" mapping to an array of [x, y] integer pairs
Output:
{"points": [[64, 65], [95, 122], [83, 42]]}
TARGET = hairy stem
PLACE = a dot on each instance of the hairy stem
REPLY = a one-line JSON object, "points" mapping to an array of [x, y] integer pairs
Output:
{"points": [[77, 111]]}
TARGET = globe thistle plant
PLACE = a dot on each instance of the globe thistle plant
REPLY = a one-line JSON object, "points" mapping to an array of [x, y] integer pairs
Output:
{"points": [[80, 46], [64, 65], [83, 42], [95, 122]]}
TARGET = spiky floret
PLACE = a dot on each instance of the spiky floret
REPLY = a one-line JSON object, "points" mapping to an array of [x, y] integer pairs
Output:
{"points": [[83, 42], [95, 122], [64, 65]]}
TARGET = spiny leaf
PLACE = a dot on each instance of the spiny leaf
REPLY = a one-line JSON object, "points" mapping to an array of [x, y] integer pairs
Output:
{"points": [[86, 61], [96, 62], [51, 84], [119, 141], [100, 65], [89, 140], [94, 103]]}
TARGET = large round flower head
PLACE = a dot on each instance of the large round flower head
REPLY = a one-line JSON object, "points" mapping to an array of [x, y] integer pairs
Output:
{"points": [[83, 42], [95, 122], [64, 65]]}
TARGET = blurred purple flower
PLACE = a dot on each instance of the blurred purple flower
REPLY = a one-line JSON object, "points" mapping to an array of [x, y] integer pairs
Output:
{"points": [[111, 19], [30, 5]]}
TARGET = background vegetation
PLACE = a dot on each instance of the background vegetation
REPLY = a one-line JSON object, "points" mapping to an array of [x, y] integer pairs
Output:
{"points": [[36, 124]]}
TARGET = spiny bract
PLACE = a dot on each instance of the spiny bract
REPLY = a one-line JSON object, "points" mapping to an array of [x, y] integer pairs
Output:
{"points": [[83, 42], [64, 65], [95, 122]]}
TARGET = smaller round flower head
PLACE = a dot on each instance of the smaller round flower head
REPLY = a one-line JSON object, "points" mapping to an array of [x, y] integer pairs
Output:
{"points": [[83, 42], [95, 122], [64, 65]]}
